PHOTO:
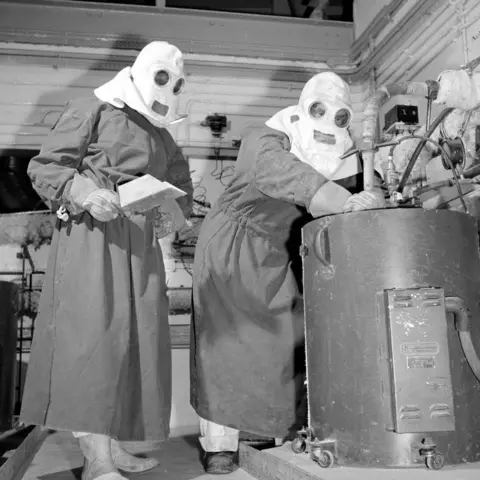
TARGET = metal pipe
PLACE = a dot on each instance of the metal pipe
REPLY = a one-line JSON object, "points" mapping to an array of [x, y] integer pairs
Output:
{"points": [[420, 145], [376, 26], [413, 21], [458, 307], [449, 182], [429, 113], [445, 155], [370, 118], [412, 47], [424, 51]]}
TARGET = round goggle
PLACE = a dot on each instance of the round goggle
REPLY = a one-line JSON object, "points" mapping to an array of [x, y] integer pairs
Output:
{"points": [[162, 79], [342, 117]]}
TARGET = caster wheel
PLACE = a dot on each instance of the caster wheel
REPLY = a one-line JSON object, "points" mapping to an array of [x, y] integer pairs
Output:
{"points": [[324, 458], [299, 445], [436, 462]]}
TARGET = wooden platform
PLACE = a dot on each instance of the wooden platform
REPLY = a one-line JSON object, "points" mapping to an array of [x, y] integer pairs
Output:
{"points": [[21, 458], [281, 463]]}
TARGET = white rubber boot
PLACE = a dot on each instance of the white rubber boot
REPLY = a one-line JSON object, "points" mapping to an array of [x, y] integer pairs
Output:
{"points": [[130, 463], [98, 463]]}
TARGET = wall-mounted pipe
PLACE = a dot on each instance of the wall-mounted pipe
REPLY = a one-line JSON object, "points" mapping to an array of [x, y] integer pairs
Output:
{"points": [[412, 21], [432, 43], [414, 45], [458, 307], [382, 19], [369, 124]]}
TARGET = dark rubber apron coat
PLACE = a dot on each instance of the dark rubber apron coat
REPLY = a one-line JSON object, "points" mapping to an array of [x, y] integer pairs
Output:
{"points": [[101, 358], [247, 353]]}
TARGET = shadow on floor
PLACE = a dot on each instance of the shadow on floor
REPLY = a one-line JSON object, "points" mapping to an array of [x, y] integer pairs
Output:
{"points": [[192, 441], [74, 474]]}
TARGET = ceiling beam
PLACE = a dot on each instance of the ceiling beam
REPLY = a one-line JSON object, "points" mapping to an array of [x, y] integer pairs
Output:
{"points": [[78, 24]]}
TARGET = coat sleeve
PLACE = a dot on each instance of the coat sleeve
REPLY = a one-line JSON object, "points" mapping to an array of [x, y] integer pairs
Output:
{"points": [[280, 174], [54, 171], [178, 174]]}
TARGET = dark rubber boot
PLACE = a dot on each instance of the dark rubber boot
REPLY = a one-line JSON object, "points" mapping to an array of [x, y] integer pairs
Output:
{"points": [[221, 463]]}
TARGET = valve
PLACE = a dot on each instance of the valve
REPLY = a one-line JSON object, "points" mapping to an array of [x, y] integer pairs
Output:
{"points": [[455, 149]]}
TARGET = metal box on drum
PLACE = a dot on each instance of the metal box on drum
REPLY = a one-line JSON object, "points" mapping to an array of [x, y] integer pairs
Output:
{"points": [[388, 380]]}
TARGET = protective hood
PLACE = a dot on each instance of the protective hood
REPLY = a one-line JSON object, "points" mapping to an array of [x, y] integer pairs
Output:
{"points": [[151, 86], [318, 126]]}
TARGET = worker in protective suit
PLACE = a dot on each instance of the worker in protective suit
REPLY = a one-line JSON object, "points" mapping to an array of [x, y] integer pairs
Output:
{"points": [[100, 364], [247, 364]]}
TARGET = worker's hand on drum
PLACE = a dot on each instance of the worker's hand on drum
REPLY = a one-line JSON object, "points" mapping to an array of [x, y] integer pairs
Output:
{"points": [[103, 205], [364, 201]]}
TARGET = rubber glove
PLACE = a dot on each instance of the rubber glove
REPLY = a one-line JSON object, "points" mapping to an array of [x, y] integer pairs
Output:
{"points": [[102, 204], [364, 201]]}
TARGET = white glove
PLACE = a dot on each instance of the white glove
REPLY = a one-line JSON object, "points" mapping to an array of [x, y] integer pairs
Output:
{"points": [[364, 201], [103, 205]]}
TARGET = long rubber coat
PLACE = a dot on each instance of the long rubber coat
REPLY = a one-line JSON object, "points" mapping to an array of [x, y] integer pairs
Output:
{"points": [[247, 354], [101, 358]]}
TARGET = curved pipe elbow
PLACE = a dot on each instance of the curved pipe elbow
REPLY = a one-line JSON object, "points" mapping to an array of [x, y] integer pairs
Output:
{"points": [[458, 307], [418, 89]]}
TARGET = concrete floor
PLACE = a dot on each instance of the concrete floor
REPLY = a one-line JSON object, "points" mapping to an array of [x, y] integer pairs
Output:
{"points": [[60, 458]]}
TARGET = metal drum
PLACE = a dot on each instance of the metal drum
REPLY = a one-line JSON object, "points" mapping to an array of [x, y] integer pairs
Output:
{"points": [[386, 371]]}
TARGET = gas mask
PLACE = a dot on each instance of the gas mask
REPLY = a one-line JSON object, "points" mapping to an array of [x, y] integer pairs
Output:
{"points": [[158, 75], [318, 126], [151, 86]]}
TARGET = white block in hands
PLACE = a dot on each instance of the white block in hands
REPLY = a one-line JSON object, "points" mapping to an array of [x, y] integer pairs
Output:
{"points": [[146, 193]]}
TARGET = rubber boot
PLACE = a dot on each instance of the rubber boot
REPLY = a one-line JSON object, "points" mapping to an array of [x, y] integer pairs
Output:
{"points": [[98, 458], [130, 463], [220, 463]]}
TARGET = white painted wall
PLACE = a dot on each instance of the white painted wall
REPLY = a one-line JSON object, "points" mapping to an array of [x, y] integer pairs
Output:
{"points": [[32, 97]]}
